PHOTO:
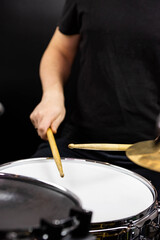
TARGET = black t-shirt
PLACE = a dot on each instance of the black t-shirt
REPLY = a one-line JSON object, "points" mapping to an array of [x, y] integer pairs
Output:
{"points": [[118, 82]]}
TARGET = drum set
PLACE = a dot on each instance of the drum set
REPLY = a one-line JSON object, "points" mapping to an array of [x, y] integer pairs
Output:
{"points": [[94, 200]]}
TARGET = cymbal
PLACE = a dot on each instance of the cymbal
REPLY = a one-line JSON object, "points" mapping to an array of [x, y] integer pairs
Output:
{"points": [[145, 154]]}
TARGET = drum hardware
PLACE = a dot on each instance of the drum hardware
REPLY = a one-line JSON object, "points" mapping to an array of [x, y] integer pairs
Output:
{"points": [[67, 229], [34, 210], [84, 218], [145, 228], [75, 227], [151, 231], [111, 232]]}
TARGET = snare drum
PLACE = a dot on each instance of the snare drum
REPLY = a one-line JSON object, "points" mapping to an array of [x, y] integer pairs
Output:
{"points": [[124, 204]]}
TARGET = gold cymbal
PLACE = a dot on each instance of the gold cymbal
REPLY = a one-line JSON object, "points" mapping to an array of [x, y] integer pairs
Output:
{"points": [[146, 154]]}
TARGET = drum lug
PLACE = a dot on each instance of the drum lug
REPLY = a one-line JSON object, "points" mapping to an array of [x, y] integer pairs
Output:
{"points": [[151, 231], [147, 228], [146, 219]]}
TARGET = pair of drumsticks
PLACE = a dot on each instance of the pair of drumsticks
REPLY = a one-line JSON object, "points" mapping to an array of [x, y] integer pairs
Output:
{"points": [[104, 147]]}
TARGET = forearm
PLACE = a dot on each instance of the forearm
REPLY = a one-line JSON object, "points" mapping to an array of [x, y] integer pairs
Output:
{"points": [[54, 70]]}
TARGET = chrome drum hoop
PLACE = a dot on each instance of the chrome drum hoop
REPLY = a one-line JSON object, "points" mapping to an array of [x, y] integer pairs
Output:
{"points": [[130, 231]]}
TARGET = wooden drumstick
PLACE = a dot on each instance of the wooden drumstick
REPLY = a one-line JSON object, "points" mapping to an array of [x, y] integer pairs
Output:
{"points": [[55, 151], [101, 146]]}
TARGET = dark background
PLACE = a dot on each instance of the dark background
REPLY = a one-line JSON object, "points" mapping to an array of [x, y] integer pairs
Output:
{"points": [[26, 28]]}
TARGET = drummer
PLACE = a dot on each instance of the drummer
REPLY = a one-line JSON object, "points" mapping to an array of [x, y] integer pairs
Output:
{"points": [[116, 89]]}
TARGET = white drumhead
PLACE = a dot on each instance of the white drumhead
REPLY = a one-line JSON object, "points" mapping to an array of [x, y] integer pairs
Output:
{"points": [[110, 192]]}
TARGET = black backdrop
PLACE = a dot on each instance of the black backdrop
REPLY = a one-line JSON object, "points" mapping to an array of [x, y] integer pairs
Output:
{"points": [[26, 28]]}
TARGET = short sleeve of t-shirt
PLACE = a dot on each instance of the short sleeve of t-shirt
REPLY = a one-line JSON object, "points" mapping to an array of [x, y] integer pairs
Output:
{"points": [[69, 23]]}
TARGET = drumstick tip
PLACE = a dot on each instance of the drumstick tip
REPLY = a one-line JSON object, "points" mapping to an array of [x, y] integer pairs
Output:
{"points": [[62, 175], [71, 145]]}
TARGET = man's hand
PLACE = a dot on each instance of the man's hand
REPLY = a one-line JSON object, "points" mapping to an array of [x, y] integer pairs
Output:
{"points": [[50, 112]]}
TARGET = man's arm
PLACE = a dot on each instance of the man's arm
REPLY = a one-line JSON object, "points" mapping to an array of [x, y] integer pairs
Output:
{"points": [[55, 68]]}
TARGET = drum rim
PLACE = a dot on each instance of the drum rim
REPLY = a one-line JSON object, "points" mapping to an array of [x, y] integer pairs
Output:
{"points": [[104, 224]]}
